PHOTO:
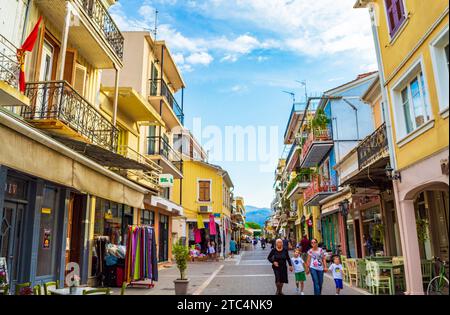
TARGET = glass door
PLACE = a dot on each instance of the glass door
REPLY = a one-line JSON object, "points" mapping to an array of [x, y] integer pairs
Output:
{"points": [[163, 238], [45, 75], [11, 231]]}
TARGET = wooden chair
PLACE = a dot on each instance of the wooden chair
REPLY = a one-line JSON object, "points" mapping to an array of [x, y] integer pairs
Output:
{"points": [[49, 285], [106, 291], [376, 280], [21, 286], [399, 274], [4, 290], [122, 290], [37, 290], [352, 271], [362, 273], [344, 266], [427, 271]]}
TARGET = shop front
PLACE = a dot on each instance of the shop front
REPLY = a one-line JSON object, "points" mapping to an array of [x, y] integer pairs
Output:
{"points": [[200, 234]]}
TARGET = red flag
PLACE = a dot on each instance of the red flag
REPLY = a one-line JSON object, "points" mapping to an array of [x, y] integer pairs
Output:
{"points": [[28, 45]]}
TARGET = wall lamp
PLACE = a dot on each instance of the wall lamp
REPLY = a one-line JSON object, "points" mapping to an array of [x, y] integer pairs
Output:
{"points": [[393, 175]]}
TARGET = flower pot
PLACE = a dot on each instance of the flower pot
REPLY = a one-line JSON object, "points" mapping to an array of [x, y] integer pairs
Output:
{"points": [[181, 287]]}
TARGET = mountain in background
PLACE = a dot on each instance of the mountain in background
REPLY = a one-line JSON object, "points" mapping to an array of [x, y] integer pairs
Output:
{"points": [[257, 215]]}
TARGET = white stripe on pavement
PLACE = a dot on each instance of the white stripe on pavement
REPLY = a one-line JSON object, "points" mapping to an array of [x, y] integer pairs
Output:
{"points": [[243, 276], [207, 282]]}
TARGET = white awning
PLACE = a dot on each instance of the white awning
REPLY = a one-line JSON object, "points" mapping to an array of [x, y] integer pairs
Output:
{"points": [[168, 205]]}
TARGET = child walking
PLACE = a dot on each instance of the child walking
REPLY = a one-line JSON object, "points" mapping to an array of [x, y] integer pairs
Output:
{"points": [[338, 273], [299, 269], [211, 251]]}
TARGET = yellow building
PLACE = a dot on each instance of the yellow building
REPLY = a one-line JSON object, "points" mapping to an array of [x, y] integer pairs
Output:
{"points": [[412, 42], [238, 219], [204, 191]]}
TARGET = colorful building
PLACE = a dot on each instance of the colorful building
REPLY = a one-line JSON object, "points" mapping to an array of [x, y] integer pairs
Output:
{"points": [[412, 46]]}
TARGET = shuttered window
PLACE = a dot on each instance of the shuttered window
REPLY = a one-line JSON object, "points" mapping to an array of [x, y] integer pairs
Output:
{"points": [[204, 188], [395, 11]]}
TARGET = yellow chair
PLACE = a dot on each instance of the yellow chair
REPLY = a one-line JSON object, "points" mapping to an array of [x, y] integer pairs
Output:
{"points": [[50, 285], [352, 271], [122, 290], [376, 280], [344, 267], [37, 290], [21, 286], [106, 291]]}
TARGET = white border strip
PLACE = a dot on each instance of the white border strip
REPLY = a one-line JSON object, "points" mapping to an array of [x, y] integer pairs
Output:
{"points": [[201, 288]]}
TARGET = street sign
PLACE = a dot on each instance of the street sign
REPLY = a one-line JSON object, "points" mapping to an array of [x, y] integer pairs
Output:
{"points": [[166, 180]]}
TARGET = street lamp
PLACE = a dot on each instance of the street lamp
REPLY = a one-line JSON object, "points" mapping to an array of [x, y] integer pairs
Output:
{"points": [[391, 174]]}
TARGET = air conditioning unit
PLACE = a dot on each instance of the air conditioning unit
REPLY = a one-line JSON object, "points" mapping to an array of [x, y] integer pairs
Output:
{"points": [[206, 209]]}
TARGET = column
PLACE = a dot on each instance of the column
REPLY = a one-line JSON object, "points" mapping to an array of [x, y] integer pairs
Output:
{"points": [[410, 245], [116, 95], [92, 206]]}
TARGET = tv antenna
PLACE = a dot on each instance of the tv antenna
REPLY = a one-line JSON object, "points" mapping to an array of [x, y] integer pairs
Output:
{"points": [[155, 31], [303, 83], [291, 94]]}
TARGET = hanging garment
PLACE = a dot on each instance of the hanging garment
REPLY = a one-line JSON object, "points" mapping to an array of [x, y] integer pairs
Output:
{"points": [[198, 236], [212, 225], [200, 223]]}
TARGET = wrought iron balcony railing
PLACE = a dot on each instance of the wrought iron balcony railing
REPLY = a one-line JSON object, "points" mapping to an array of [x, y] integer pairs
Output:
{"points": [[318, 185], [102, 20], [373, 147], [316, 135], [59, 101], [158, 87], [159, 146], [9, 66], [156, 170]]}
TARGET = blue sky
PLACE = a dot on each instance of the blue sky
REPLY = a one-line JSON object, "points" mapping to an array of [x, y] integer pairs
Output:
{"points": [[237, 56]]}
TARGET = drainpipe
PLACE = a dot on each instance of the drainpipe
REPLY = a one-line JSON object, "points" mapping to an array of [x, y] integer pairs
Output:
{"points": [[65, 36]]}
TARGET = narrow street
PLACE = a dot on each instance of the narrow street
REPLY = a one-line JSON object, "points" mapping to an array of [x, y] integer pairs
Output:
{"points": [[247, 274]]}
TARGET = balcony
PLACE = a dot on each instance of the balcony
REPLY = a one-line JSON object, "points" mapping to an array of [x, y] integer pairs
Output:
{"points": [[9, 76], [316, 147], [373, 148], [318, 190], [92, 31], [59, 109], [149, 176], [172, 113], [170, 160], [297, 186], [293, 157], [298, 110]]}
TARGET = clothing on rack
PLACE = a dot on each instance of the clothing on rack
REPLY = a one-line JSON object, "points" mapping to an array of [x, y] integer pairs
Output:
{"points": [[141, 261]]}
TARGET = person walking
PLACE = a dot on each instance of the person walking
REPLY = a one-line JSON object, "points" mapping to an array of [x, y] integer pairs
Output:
{"points": [[286, 243], [338, 274], [299, 269], [279, 257], [316, 265], [233, 247], [305, 245]]}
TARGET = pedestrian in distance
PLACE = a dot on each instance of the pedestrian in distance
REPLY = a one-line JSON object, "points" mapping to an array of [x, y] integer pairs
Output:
{"points": [[233, 247], [286, 243], [305, 245], [299, 270], [316, 265], [338, 273], [279, 257], [211, 251]]}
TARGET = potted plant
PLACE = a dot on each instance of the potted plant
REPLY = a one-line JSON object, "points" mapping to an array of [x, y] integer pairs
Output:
{"points": [[181, 254]]}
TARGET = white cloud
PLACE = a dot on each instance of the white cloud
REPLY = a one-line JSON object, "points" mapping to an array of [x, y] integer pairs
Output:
{"points": [[201, 58]]}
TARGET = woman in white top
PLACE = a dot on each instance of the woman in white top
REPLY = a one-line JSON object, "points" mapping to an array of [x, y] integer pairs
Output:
{"points": [[316, 264]]}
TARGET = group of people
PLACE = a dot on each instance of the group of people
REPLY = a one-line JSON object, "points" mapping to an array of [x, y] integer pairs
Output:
{"points": [[309, 259]]}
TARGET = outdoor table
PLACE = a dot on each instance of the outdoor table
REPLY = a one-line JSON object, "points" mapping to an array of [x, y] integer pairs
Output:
{"points": [[391, 267], [66, 291]]}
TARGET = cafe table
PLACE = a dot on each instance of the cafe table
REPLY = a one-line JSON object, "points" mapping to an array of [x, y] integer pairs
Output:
{"points": [[388, 266], [66, 291]]}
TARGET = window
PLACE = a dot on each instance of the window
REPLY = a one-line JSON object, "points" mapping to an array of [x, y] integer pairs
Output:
{"points": [[415, 108], [165, 193], [412, 108], [147, 217], [395, 11], [440, 56], [204, 191]]}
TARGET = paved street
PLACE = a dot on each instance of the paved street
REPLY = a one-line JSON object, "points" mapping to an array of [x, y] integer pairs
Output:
{"points": [[247, 274]]}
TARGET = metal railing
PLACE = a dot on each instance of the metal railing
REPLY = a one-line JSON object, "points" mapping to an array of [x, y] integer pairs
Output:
{"points": [[58, 100], [150, 177], [316, 135], [130, 153], [157, 145], [373, 147], [318, 185], [104, 23], [9, 65], [158, 87]]}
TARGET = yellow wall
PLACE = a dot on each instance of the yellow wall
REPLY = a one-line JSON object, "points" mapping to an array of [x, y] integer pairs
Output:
{"points": [[422, 16], [377, 113], [194, 171]]}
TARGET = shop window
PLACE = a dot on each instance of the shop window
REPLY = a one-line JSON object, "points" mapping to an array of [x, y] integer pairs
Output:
{"points": [[109, 219], [147, 217]]}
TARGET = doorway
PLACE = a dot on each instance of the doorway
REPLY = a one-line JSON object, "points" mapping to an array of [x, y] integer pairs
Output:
{"points": [[358, 238], [163, 238], [74, 229], [11, 236]]}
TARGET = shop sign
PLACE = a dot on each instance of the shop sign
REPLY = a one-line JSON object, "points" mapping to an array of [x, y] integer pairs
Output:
{"points": [[108, 215], [47, 239], [217, 215], [46, 211], [166, 180], [15, 188]]}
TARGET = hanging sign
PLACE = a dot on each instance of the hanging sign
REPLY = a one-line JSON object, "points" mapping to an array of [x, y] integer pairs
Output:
{"points": [[108, 215], [47, 239], [166, 180], [310, 223]]}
